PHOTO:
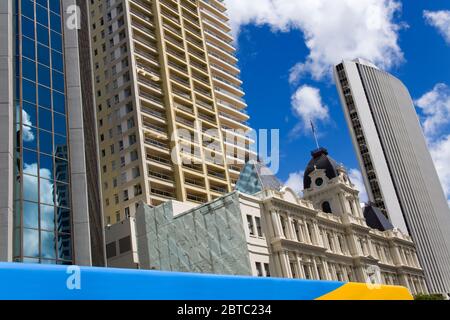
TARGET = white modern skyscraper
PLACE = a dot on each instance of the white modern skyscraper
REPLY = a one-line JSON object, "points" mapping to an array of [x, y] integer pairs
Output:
{"points": [[398, 170]]}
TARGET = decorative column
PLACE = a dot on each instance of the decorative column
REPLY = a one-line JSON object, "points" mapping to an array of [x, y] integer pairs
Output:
{"points": [[326, 271], [307, 237], [300, 266], [284, 259], [276, 223], [372, 250], [290, 232], [343, 203], [315, 271], [336, 243], [319, 240]]}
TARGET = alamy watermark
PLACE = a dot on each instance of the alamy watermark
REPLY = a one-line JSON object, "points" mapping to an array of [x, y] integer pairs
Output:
{"points": [[73, 281], [73, 18]]}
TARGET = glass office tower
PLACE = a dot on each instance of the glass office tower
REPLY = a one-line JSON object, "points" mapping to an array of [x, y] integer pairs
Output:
{"points": [[42, 141], [42, 215]]}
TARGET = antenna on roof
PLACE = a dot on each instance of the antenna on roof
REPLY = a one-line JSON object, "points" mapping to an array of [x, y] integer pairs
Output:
{"points": [[313, 128]]}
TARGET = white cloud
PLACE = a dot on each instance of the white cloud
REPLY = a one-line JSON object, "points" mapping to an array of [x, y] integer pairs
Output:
{"points": [[435, 106], [440, 20], [307, 106], [295, 182], [30, 184], [357, 179], [28, 135], [332, 30]]}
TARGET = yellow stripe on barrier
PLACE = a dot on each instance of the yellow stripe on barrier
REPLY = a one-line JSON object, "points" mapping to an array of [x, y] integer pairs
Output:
{"points": [[362, 291]]}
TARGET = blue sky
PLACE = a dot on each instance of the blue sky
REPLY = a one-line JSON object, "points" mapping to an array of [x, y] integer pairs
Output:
{"points": [[409, 38]]}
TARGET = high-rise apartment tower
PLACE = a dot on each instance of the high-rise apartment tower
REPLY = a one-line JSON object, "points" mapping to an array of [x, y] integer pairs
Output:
{"points": [[171, 117], [47, 204], [398, 170]]}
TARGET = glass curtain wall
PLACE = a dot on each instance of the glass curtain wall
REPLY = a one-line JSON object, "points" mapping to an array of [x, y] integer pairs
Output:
{"points": [[42, 215]]}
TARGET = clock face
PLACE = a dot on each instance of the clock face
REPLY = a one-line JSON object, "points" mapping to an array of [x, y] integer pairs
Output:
{"points": [[319, 182]]}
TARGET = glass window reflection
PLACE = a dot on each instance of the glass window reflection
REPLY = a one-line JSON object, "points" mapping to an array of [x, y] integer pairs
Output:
{"points": [[30, 188], [28, 49], [62, 170], [43, 55], [31, 243], [59, 102], [55, 6], [64, 247], [62, 196], [29, 69], [45, 142], [29, 114], [56, 41], [42, 15], [29, 91], [28, 9], [60, 147], [55, 22], [63, 220], [44, 97], [28, 27], [30, 215], [60, 124], [45, 119], [57, 61], [42, 193], [29, 137], [48, 245], [44, 75], [46, 192], [58, 81], [42, 34], [30, 162], [47, 218], [46, 166]]}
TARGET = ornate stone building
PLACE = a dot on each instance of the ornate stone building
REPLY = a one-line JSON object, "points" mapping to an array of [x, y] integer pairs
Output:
{"points": [[324, 235], [265, 229]]}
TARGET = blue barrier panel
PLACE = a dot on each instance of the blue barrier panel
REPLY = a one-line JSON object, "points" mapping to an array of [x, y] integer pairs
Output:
{"points": [[45, 282]]}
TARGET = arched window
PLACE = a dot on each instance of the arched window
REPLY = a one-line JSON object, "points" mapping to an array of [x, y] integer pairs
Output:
{"points": [[326, 207]]}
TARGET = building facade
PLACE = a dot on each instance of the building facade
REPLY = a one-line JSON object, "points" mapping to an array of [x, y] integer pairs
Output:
{"points": [[42, 143], [398, 170], [171, 117], [265, 229]]}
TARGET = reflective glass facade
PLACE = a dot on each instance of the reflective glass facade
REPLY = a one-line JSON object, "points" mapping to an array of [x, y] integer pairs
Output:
{"points": [[42, 212]]}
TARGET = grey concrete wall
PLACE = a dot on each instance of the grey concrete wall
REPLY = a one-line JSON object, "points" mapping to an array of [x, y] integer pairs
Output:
{"points": [[208, 239], [80, 206], [6, 128]]}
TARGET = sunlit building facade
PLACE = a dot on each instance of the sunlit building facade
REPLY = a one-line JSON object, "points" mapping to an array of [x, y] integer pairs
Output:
{"points": [[170, 108]]}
